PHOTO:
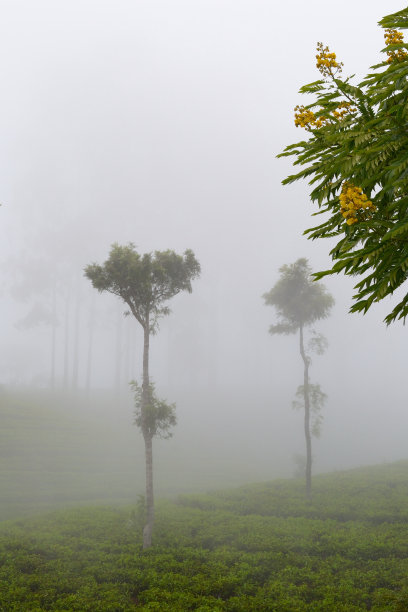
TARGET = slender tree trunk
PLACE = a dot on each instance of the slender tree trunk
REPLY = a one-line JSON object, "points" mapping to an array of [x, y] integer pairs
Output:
{"points": [[308, 437], [148, 528]]}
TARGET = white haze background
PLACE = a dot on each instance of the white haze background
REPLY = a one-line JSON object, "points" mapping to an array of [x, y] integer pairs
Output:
{"points": [[158, 123]]}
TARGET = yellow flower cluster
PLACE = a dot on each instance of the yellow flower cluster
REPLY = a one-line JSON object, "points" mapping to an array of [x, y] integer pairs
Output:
{"points": [[394, 37], [343, 109], [354, 203], [307, 119], [326, 63]]}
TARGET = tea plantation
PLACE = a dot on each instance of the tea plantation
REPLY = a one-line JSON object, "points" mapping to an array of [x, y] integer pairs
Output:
{"points": [[258, 548]]}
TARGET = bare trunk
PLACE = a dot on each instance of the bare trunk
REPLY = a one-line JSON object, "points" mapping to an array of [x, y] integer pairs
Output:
{"points": [[306, 398], [148, 528]]}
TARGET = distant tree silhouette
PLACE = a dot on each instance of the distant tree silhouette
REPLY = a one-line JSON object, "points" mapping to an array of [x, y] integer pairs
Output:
{"points": [[299, 302]]}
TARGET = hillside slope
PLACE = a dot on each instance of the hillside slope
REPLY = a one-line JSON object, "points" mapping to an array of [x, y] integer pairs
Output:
{"points": [[257, 548]]}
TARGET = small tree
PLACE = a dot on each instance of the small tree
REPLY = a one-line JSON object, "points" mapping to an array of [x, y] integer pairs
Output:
{"points": [[145, 283], [300, 302]]}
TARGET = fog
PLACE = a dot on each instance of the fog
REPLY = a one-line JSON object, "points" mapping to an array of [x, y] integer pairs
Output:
{"points": [[158, 123]]}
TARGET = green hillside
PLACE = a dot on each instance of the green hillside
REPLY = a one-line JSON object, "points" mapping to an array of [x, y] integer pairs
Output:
{"points": [[52, 454], [61, 449], [258, 548]]}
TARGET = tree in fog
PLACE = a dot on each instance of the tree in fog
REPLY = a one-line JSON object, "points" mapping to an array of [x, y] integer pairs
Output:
{"points": [[355, 158], [145, 283], [155, 420], [317, 399], [299, 302]]}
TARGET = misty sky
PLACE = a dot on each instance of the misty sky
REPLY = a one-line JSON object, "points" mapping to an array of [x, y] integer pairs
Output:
{"points": [[158, 122]]}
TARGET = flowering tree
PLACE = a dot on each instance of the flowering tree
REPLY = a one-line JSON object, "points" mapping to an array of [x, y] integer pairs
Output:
{"points": [[356, 161], [299, 302]]}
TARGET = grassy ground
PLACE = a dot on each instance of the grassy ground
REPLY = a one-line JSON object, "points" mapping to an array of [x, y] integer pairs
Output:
{"points": [[52, 455], [58, 449], [256, 548], [259, 548]]}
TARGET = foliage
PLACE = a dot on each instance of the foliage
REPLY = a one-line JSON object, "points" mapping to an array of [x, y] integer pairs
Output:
{"points": [[317, 343], [317, 400], [356, 161], [297, 299], [144, 282], [158, 416], [256, 548]]}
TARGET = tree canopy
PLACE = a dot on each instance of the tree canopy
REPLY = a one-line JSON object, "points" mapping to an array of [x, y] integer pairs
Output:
{"points": [[298, 300], [144, 282], [356, 161]]}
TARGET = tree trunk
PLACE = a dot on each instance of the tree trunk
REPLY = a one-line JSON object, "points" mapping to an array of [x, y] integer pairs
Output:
{"points": [[148, 528], [308, 437]]}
